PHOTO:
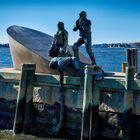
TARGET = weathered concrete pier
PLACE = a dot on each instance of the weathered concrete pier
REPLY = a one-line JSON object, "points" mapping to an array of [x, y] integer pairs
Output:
{"points": [[32, 103]]}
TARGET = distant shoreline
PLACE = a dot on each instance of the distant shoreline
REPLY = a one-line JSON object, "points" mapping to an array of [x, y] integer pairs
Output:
{"points": [[103, 45], [4, 45]]}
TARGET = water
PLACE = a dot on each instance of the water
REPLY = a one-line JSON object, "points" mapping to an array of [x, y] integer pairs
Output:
{"points": [[110, 59], [5, 58]]}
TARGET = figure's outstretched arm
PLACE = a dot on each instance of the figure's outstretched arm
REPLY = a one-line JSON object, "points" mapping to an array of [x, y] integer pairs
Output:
{"points": [[76, 26]]}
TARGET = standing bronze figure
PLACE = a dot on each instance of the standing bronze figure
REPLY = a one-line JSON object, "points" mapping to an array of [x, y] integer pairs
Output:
{"points": [[60, 41], [84, 27]]}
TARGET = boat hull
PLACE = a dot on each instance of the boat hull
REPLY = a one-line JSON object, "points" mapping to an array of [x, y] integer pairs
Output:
{"points": [[22, 55]]}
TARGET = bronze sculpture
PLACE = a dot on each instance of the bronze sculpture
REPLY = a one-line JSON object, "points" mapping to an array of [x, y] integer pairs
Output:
{"points": [[84, 27], [60, 41]]}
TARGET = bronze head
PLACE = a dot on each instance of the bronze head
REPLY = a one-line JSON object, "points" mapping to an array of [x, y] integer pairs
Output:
{"points": [[82, 14], [60, 25]]}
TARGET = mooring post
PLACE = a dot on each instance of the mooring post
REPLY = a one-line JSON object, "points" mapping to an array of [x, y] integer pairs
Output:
{"points": [[23, 100], [135, 52], [124, 65], [87, 97], [132, 58], [28, 115], [95, 110], [128, 104]]}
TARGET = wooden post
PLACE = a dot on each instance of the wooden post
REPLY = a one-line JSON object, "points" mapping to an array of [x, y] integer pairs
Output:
{"points": [[95, 110], [124, 65], [23, 100], [135, 53], [132, 58], [128, 104], [29, 98], [129, 57], [87, 97]]}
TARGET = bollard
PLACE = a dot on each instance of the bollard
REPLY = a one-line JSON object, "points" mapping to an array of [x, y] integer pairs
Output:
{"points": [[29, 98], [124, 65], [128, 104], [132, 58], [24, 99], [87, 97]]}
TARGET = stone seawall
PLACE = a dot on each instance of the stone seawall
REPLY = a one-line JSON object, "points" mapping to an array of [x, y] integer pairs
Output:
{"points": [[47, 104]]}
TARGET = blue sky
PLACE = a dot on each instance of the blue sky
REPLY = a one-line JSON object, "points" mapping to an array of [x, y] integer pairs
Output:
{"points": [[112, 20]]}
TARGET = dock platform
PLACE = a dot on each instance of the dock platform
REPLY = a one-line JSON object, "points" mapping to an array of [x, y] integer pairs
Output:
{"points": [[115, 100]]}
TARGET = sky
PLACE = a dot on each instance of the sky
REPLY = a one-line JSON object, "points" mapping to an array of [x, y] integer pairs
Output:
{"points": [[113, 21]]}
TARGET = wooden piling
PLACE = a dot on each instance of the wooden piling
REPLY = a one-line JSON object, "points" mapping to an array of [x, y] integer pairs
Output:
{"points": [[129, 57], [128, 104], [95, 111], [135, 52], [29, 98], [132, 58], [124, 65], [20, 107], [24, 99], [87, 97]]}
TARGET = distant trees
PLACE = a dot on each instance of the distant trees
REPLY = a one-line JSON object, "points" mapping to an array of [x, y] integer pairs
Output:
{"points": [[4, 45]]}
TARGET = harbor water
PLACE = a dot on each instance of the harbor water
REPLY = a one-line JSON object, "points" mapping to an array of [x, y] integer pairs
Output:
{"points": [[110, 59]]}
